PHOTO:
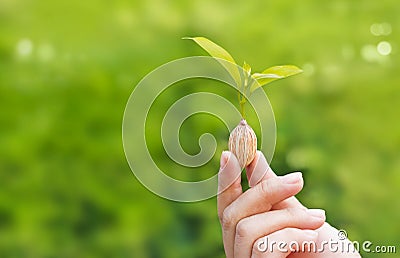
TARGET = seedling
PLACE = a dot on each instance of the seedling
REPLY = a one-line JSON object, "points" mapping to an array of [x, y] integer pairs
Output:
{"points": [[243, 140]]}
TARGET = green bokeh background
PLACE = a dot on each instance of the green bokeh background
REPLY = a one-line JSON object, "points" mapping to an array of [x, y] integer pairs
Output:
{"points": [[68, 68]]}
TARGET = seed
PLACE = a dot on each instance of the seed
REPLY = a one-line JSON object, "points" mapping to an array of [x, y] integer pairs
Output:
{"points": [[243, 143]]}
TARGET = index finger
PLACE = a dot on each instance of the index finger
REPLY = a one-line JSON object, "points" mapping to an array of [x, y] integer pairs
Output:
{"points": [[259, 170]]}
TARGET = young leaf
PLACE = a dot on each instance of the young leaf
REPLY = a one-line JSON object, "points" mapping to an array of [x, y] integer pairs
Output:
{"points": [[261, 79], [247, 80], [274, 73], [247, 68], [216, 51]]}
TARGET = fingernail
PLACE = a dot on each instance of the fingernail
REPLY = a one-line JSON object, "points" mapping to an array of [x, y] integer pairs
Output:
{"points": [[310, 233], [292, 178], [224, 159], [317, 213]]}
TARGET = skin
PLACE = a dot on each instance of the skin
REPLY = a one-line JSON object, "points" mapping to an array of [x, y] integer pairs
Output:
{"points": [[268, 209]]}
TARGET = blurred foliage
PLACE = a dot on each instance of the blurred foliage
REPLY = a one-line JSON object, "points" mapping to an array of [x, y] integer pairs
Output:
{"points": [[68, 68]]}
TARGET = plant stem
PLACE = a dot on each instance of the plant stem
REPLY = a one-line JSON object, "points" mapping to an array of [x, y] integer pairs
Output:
{"points": [[242, 109], [242, 97], [241, 103]]}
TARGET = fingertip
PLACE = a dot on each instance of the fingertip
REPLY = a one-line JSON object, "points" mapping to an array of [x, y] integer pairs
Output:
{"points": [[290, 184], [228, 159], [229, 172], [292, 178], [317, 213], [258, 169], [224, 159], [251, 166]]}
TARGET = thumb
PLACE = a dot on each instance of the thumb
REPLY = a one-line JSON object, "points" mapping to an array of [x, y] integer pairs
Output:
{"points": [[258, 170]]}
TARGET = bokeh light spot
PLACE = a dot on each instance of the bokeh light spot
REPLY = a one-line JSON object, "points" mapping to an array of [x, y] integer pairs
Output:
{"points": [[24, 47], [381, 29], [384, 48]]}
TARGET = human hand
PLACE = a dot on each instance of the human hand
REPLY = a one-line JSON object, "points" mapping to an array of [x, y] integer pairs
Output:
{"points": [[269, 209]]}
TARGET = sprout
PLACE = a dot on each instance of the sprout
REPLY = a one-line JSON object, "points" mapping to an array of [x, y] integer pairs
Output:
{"points": [[243, 140]]}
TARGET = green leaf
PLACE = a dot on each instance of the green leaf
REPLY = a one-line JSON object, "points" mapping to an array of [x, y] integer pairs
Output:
{"points": [[261, 79], [213, 49], [218, 52], [272, 74]]}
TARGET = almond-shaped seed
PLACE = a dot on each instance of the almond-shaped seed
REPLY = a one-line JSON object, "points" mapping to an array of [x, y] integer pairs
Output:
{"points": [[243, 143]]}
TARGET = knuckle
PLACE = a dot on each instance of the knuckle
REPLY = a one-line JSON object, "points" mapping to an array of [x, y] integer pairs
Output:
{"points": [[265, 187], [297, 214], [227, 219], [292, 212], [242, 229]]}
